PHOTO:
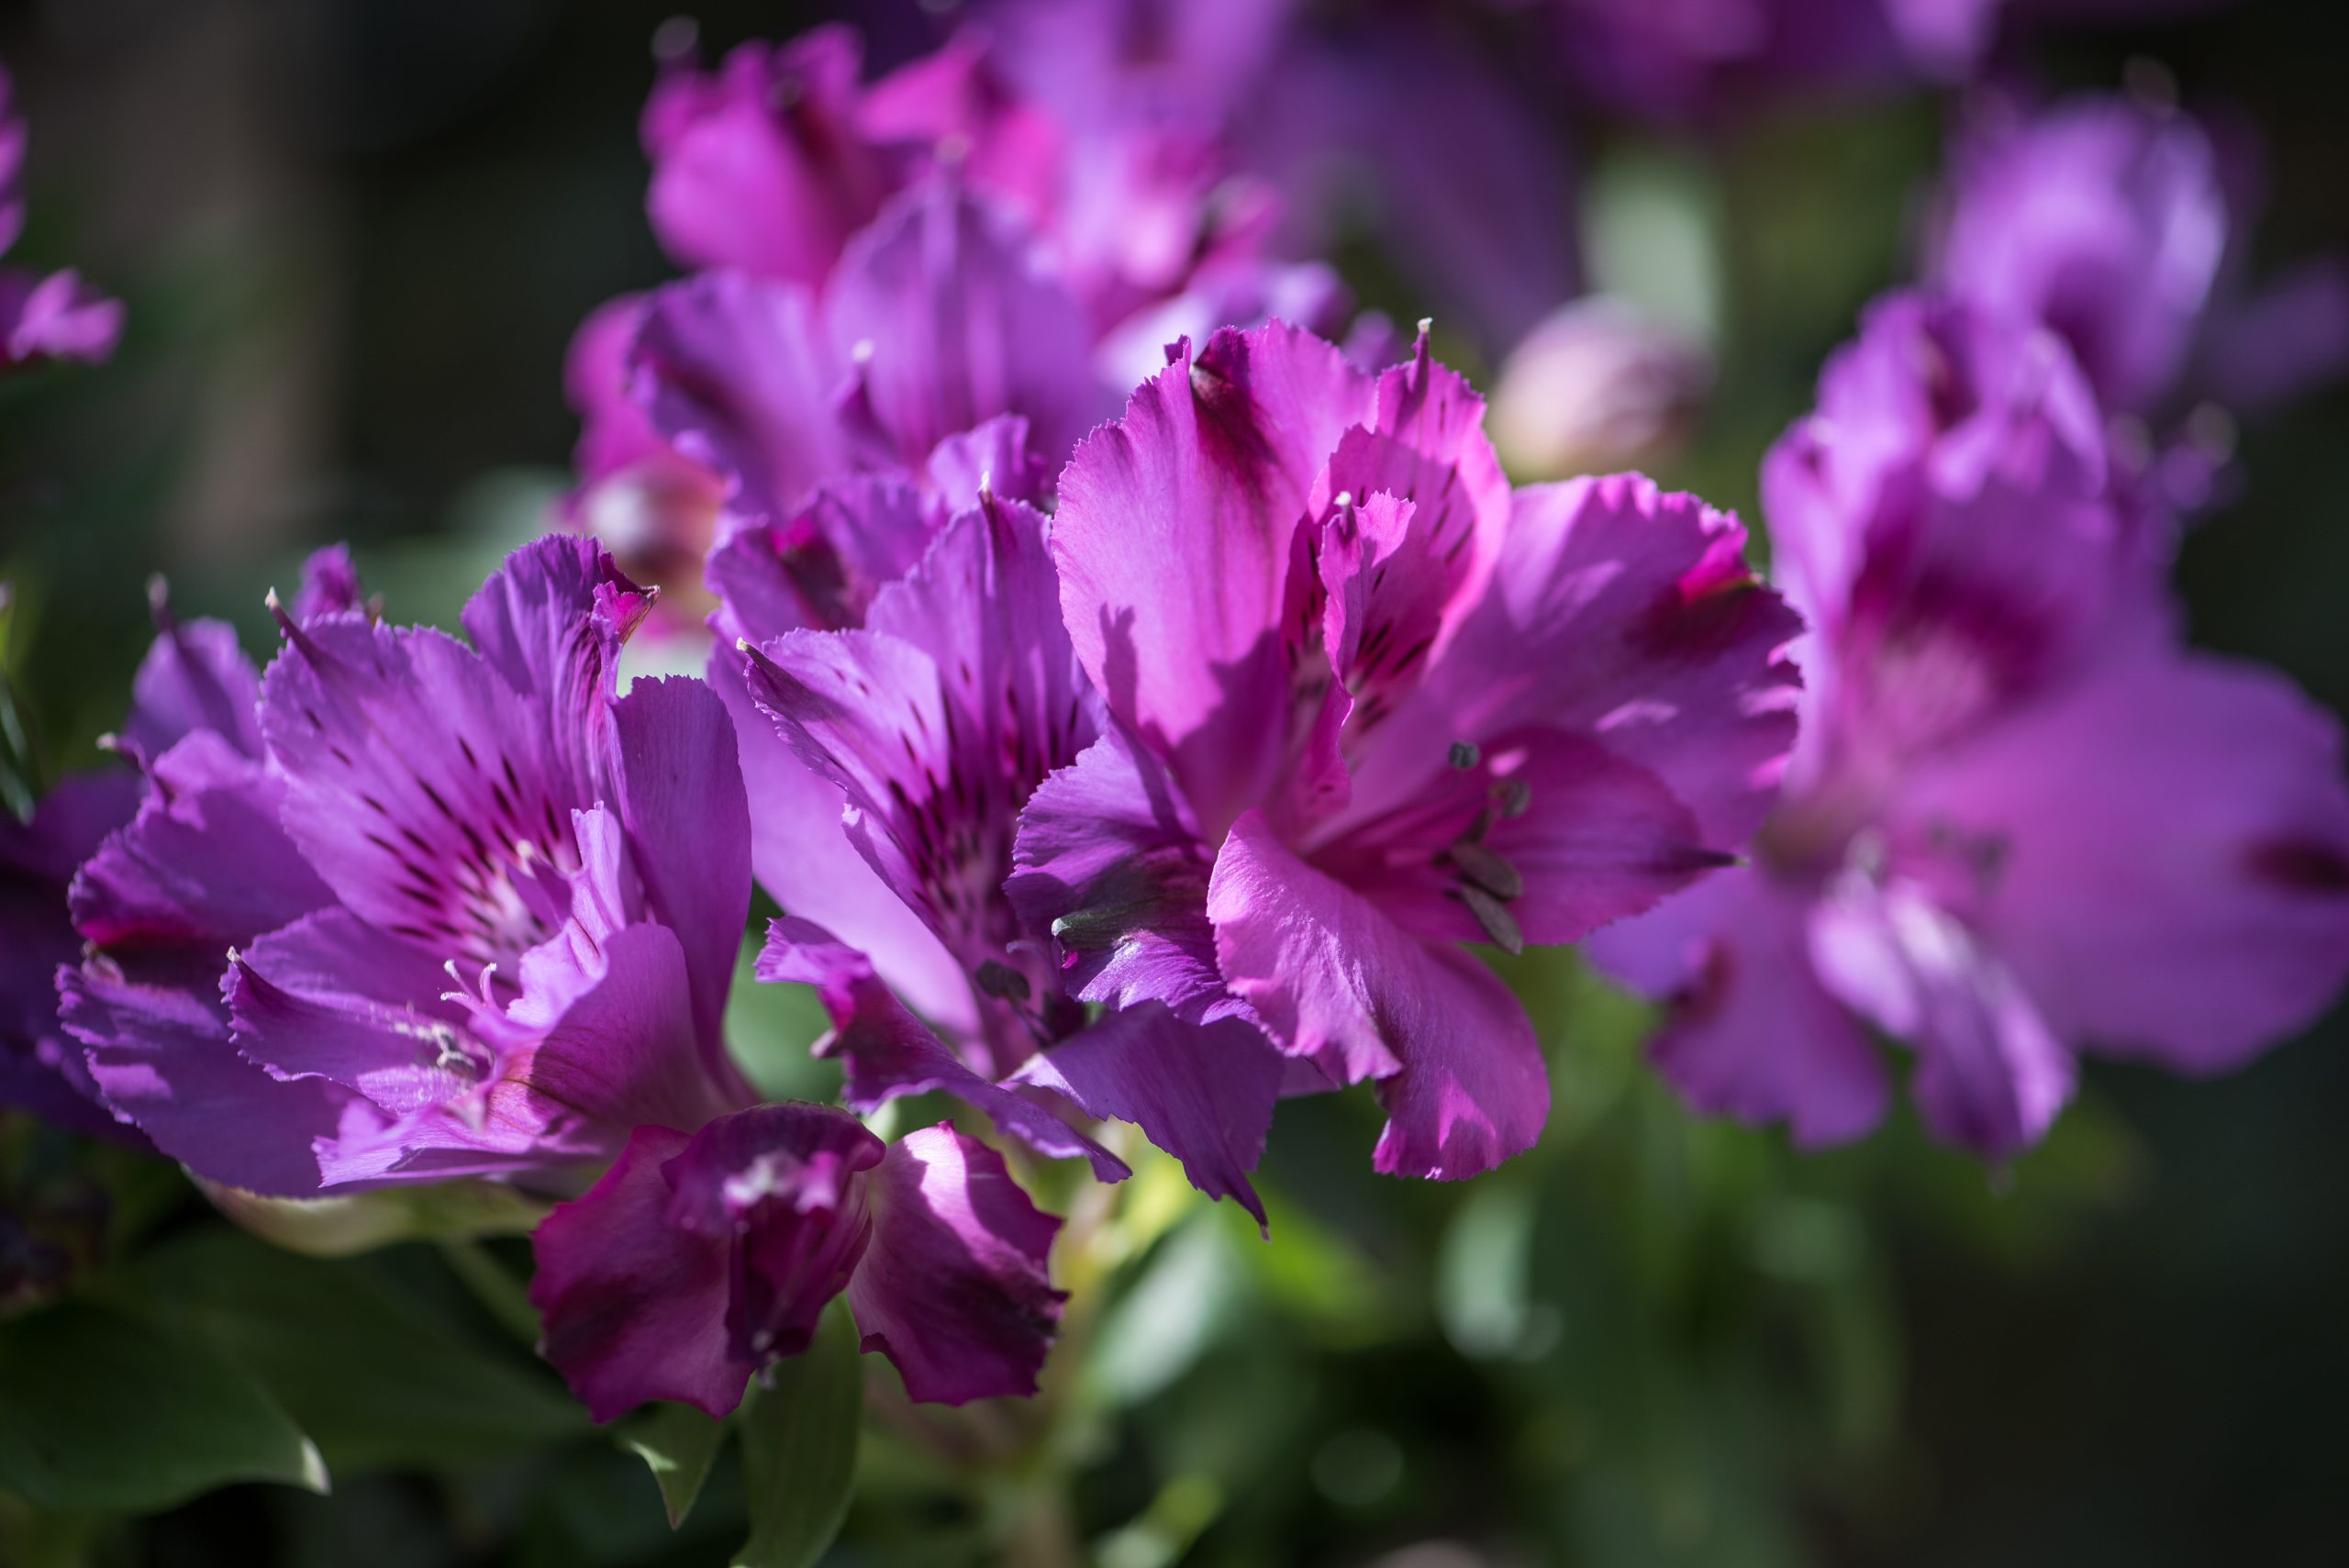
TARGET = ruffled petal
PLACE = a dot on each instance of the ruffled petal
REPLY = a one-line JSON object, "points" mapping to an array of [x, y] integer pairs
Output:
{"points": [[162, 1059], [1175, 538], [954, 1288], [1627, 616]]}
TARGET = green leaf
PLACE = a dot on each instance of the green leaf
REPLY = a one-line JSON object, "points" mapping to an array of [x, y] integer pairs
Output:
{"points": [[678, 1444], [378, 1373], [99, 1411], [799, 1433]]}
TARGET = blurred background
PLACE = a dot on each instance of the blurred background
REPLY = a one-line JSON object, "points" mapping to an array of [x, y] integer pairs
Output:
{"points": [[354, 237]]}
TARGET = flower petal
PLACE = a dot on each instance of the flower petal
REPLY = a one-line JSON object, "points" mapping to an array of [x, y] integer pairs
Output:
{"points": [[951, 320], [1176, 536], [1205, 1094], [1109, 860], [162, 1059], [1991, 1073], [2171, 846], [1335, 980], [1627, 616], [679, 791], [954, 1288], [634, 1307]]}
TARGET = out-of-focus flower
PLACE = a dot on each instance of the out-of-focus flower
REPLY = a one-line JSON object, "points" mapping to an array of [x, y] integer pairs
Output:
{"points": [[2115, 222], [406, 909], [1369, 704], [42, 316], [888, 265], [1596, 388], [2022, 821], [2103, 219], [700, 1260], [936, 723], [40, 1069]]}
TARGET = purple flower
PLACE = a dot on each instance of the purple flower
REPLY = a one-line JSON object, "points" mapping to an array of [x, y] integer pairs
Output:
{"points": [[1597, 387], [40, 1069], [56, 317], [2022, 821], [423, 910], [699, 1261], [935, 723], [2103, 218], [1369, 704]]}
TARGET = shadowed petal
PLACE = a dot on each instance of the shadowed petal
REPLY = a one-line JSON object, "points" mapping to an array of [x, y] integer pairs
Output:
{"points": [[1335, 980], [954, 1288], [1205, 1094], [635, 1308]]}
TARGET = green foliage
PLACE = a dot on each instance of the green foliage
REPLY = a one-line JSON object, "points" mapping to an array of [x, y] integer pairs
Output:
{"points": [[799, 1439], [99, 1411], [678, 1444]]}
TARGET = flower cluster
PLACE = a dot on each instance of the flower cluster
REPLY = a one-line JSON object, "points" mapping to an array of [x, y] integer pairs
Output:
{"points": [[1151, 762], [2024, 820]]}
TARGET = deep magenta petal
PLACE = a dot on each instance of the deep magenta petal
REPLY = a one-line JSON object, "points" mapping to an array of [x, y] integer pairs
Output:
{"points": [[634, 1307], [955, 1288]]}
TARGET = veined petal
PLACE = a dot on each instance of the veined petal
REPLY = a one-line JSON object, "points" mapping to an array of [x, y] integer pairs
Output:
{"points": [[820, 565], [1109, 859], [803, 858], [1625, 615], [954, 1288], [162, 1059], [1335, 980]]}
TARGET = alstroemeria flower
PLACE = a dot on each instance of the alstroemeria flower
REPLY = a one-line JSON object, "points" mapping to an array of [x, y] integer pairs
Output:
{"points": [[936, 722], [193, 678], [889, 266], [2115, 222], [42, 317], [40, 1069], [1371, 706], [699, 1261], [2023, 822], [423, 910]]}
